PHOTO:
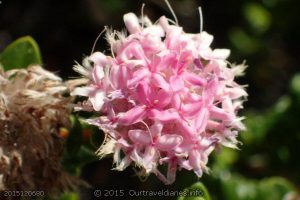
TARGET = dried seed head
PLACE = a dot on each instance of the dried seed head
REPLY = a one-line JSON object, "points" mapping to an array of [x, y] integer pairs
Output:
{"points": [[32, 111]]}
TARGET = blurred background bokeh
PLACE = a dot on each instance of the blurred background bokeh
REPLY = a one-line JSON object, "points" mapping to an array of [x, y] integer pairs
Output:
{"points": [[265, 33]]}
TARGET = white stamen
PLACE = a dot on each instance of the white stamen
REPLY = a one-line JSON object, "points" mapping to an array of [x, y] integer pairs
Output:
{"points": [[172, 11], [111, 48], [98, 37], [172, 21], [201, 19], [142, 13], [148, 130]]}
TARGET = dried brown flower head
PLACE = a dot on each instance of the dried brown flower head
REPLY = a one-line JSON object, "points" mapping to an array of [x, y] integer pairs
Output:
{"points": [[32, 110]]}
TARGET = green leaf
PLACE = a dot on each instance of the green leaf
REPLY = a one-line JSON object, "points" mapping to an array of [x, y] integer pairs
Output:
{"points": [[74, 163], [258, 17], [21, 53], [224, 159], [274, 188], [86, 155], [244, 42], [240, 188], [295, 85], [257, 127], [75, 139], [196, 192]]}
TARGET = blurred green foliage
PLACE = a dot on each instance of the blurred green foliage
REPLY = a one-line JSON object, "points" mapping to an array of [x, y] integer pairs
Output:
{"points": [[80, 149], [21, 53], [238, 187], [257, 16], [69, 196]]}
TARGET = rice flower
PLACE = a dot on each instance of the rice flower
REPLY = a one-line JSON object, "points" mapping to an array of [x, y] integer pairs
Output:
{"points": [[32, 110], [163, 97]]}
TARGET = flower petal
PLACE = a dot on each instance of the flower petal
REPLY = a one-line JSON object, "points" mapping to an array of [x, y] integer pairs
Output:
{"points": [[160, 82], [119, 75], [150, 159], [125, 162], [164, 115], [162, 97], [221, 54], [99, 59], [132, 23], [219, 113], [168, 142], [138, 76], [83, 91], [172, 169], [173, 37], [201, 120], [98, 74], [195, 162], [139, 136], [205, 40], [133, 115], [177, 83], [194, 79], [156, 128], [142, 92], [97, 100]]}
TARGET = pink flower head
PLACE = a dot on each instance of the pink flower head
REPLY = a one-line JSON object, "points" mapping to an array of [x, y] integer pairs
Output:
{"points": [[164, 97]]}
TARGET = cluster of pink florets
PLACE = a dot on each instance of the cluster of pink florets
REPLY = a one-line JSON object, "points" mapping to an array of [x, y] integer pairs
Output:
{"points": [[164, 97]]}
